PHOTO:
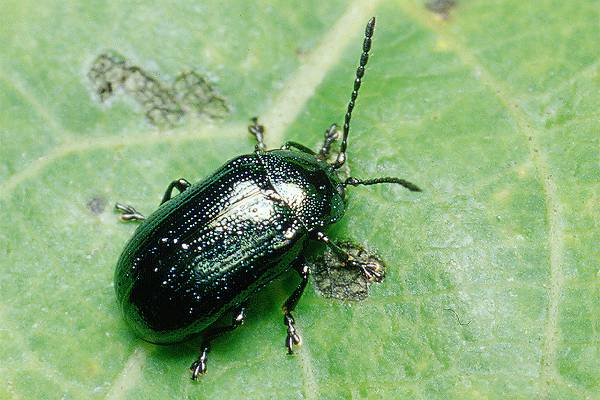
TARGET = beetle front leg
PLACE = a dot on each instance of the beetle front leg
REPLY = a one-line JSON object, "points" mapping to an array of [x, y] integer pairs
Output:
{"points": [[258, 132], [298, 146], [371, 271], [198, 367], [128, 213], [331, 135], [293, 339], [179, 184]]}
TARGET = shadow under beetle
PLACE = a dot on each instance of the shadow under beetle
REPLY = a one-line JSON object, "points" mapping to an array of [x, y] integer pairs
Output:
{"points": [[204, 252]]}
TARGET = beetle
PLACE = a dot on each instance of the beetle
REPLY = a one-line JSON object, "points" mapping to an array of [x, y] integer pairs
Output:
{"points": [[204, 252]]}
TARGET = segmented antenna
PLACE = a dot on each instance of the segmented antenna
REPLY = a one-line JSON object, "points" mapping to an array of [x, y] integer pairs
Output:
{"points": [[358, 182], [360, 71]]}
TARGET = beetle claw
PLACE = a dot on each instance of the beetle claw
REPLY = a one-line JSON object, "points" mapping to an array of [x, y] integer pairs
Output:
{"points": [[292, 339], [371, 271]]}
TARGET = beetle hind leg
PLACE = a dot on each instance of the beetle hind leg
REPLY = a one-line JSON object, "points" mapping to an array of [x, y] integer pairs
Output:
{"points": [[293, 338], [198, 367]]}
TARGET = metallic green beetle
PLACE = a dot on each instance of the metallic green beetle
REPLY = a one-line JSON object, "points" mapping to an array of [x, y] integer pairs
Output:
{"points": [[204, 252]]}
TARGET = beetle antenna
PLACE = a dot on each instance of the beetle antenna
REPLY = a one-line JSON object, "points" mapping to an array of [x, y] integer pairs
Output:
{"points": [[356, 182], [360, 71]]}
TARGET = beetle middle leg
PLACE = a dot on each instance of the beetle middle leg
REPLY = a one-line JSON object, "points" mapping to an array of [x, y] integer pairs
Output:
{"points": [[198, 367], [293, 339], [128, 213], [179, 184], [371, 271]]}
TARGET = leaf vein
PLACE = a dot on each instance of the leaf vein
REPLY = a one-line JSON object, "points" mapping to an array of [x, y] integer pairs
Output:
{"points": [[140, 139], [301, 86], [554, 213], [26, 95], [129, 375]]}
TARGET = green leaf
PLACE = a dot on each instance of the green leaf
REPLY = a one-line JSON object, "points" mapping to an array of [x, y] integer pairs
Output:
{"points": [[492, 286]]}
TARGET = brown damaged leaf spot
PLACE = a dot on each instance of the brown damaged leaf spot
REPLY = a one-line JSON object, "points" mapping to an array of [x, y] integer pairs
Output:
{"points": [[96, 205], [334, 280], [163, 104]]}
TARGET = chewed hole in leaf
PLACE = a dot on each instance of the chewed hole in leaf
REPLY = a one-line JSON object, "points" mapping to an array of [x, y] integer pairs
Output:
{"points": [[163, 104]]}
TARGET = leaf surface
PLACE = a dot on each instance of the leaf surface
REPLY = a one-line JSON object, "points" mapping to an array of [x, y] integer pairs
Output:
{"points": [[492, 286]]}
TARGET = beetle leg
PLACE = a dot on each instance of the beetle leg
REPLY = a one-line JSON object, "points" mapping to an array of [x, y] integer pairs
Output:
{"points": [[180, 184], [298, 146], [128, 213], [293, 339], [258, 132], [198, 367], [371, 271], [331, 135]]}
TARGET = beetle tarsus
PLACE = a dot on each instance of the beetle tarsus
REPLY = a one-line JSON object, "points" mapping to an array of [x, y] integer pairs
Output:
{"points": [[331, 135], [371, 271], [258, 131], [292, 339], [128, 213], [198, 367]]}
